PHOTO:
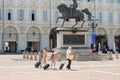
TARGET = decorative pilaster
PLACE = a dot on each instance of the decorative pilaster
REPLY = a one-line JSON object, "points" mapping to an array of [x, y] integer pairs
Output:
{"points": [[1, 49], [44, 41], [22, 42], [111, 38]]}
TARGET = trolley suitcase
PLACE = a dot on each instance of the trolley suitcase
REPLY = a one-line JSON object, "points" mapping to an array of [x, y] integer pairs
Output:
{"points": [[37, 64], [46, 66], [61, 66]]}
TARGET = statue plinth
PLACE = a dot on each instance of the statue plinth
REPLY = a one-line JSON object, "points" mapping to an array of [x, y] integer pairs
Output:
{"points": [[74, 37]]}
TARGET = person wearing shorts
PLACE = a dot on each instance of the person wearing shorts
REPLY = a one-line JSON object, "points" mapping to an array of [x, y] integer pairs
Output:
{"points": [[52, 57]]}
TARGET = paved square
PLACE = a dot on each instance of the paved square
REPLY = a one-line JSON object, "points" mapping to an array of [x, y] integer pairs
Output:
{"points": [[14, 67]]}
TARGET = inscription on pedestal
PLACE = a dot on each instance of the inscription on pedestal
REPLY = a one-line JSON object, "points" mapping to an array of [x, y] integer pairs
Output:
{"points": [[73, 39]]}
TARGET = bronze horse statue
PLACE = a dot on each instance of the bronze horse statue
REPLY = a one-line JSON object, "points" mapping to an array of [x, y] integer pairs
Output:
{"points": [[77, 14]]}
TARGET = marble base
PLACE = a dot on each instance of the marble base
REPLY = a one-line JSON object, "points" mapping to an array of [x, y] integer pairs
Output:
{"points": [[77, 38]]}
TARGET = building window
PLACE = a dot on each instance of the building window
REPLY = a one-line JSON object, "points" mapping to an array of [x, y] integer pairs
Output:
{"points": [[99, 0], [110, 17], [10, 1], [33, 15], [110, 1], [9, 14], [80, 0], [90, 0], [119, 1], [100, 18], [56, 15], [45, 15], [21, 14]]}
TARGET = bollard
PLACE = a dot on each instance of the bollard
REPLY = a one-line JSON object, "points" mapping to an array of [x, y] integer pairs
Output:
{"points": [[76, 56], [110, 55], [94, 55], [31, 55], [35, 56], [59, 56], [39, 54], [24, 54], [116, 53], [27, 54]]}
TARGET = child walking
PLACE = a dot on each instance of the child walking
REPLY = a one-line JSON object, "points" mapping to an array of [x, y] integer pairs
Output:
{"points": [[52, 57]]}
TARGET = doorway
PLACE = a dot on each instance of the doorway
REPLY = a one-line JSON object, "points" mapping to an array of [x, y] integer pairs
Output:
{"points": [[34, 45], [101, 43], [10, 47], [117, 42]]}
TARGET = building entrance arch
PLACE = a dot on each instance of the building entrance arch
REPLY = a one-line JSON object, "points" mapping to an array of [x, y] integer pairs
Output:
{"points": [[10, 40], [117, 39], [101, 39], [33, 38]]}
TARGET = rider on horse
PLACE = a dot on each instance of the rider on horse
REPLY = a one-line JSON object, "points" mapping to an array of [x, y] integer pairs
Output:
{"points": [[73, 6]]}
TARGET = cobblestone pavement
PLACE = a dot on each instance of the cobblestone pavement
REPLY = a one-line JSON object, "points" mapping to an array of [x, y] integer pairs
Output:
{"points": [[14, 67]]}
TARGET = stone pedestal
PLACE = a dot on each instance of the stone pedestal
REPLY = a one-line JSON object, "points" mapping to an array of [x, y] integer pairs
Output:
{"points": [[76, 38]]}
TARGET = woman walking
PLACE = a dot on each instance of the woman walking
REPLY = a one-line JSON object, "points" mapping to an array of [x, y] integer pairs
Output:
{"points": [[68, 52]]}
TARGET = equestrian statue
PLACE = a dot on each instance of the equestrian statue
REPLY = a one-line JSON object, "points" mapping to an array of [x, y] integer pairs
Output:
{"points": [[72, 13]]}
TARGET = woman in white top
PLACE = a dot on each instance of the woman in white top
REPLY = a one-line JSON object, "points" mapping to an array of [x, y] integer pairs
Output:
{"points": [[68, 52]]}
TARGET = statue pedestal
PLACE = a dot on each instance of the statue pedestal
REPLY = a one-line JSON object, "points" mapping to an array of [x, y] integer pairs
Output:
{"points": [[76, 38]]}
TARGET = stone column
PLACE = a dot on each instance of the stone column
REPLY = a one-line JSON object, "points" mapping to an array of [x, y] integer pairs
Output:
{"points": [[22, 42], [44, 42], [1, 49], [110, 41]]}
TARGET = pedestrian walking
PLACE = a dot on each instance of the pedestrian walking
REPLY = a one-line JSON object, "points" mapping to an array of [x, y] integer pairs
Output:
{"points": [[52, 57], [68, 53], [44, 56]]}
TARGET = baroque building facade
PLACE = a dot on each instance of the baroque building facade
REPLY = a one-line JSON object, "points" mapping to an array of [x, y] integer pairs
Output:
{"points": [[26, 23]]}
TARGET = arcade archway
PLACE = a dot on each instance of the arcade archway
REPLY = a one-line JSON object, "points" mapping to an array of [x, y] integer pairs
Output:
{"points": [[10, 39], [101, 39], [33, 38], [117, 39]]}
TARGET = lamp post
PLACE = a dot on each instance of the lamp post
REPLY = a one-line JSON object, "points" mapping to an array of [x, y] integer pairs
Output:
{"points": [[93, 23], [50, 13], [3, 29], [51, 41]]}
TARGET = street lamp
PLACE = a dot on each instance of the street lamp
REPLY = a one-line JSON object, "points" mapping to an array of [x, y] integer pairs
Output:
{"points": [[3, 28], [51, 41], [93, 23]]}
